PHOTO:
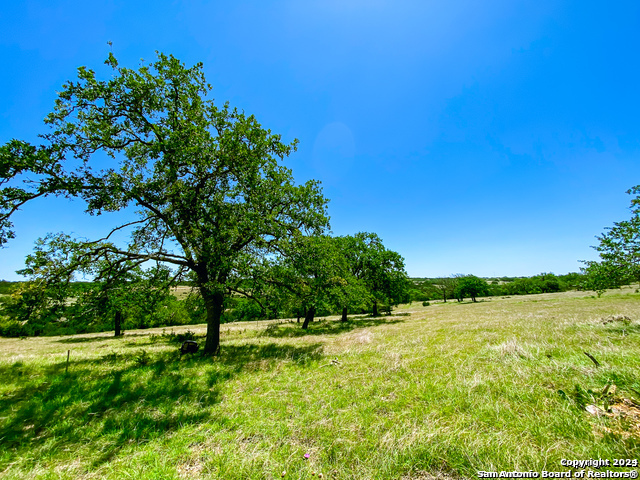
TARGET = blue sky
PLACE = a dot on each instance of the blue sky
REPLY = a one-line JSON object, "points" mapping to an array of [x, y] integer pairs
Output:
{"points": [[493, 138]]}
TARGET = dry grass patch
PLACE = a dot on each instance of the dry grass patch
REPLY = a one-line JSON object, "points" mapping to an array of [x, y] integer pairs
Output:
{"points": [[514, 348]]}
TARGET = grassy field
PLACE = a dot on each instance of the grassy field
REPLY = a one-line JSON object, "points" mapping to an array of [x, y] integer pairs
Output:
{"points": [[442, 391]]}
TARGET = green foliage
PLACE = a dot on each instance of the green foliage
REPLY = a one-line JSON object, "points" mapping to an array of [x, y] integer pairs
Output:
{"points": [[36, 309], [379, 270], [321, 275], [51, 304], [600, 276], [310, 271], [421, 291], [206, 180], [619, 251], [571, 281], [142, 357], [167, 311], [543, 283], [7, 287], [194, 308], [11, 328], [472, 286], [244, 309], [447, 287]]}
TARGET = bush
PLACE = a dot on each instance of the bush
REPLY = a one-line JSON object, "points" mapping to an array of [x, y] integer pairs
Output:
{"points": [[11, 328], [142, 358], [171, 312], [425, 304], [6, 287], [244, 309]]}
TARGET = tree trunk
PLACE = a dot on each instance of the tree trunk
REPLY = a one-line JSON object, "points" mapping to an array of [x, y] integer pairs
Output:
{"points": [[444, 295], [213, 304], [375, 308], [473, 299], [308, 317], [118, 323], [344, 314]]}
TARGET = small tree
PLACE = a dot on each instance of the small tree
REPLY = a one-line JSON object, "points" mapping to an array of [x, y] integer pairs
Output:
{"points": [[447, 287], [353, 292], [472, 286], [311, 269], [380, 270]]}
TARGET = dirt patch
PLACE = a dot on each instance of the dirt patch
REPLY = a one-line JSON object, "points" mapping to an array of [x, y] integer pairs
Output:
{"points": [[624, 415], [616, 319]]}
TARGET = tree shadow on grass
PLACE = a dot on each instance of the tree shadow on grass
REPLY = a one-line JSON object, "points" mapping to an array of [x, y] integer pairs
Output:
{"points": [[245, 356], [102, 338], [101, 406], [106, 337], [325, 327], [116, 406]]}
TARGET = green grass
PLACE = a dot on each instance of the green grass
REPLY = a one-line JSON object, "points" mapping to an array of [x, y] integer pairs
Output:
{"points": [[440, 391]]}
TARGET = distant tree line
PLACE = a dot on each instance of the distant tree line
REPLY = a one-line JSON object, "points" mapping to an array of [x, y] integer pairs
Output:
{"points": [[321, 276], [458, 287]]}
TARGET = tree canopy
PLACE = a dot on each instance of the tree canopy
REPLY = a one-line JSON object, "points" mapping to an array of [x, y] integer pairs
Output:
{"points": [[472, 286], [380, 270], [327, 273], [207, 181], [619, 251]]}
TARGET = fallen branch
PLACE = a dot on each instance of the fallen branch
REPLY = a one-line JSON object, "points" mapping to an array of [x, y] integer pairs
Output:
{"points": [[592, 359]]}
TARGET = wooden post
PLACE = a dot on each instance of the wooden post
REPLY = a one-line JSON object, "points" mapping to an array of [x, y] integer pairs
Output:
{"points": [[66, 370]]}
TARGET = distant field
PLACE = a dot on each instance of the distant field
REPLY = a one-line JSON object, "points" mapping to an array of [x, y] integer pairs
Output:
{"points": [[182, 291], [442, 391]]}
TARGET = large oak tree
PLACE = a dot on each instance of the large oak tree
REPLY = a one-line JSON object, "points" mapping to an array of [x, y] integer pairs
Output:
{"points": [[207, 181]]}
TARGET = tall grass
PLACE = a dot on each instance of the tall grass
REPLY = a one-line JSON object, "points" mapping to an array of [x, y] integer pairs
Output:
{"points": [[441, 391]]}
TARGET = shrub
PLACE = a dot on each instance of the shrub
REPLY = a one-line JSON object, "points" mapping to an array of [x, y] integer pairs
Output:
{"points": [[142, 358], [11, 328], [245, 309]]}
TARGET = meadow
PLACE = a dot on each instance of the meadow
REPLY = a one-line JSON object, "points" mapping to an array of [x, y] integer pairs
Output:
{"points": [[439, 391]]}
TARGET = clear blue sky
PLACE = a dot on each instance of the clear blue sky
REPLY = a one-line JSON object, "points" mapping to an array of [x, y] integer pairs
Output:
{"points": [[493, 137]]}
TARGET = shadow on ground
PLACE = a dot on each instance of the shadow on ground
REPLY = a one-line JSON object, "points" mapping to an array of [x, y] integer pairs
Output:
{"points": [[104, 404], [240, 356], [326, 327], [105, 337], [101, 338]]}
